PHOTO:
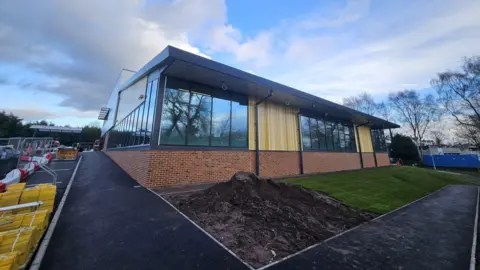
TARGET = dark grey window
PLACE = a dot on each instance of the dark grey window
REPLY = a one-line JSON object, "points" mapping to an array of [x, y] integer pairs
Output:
{"points": [[307, 143], [198, 115], [379, 143], [221, 122], [174, 117], [322, 135], [239, 125]]}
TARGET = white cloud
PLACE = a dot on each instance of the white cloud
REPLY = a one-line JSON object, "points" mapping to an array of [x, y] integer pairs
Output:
{"points": [[45, 114], [95, 39], [361, 49]]}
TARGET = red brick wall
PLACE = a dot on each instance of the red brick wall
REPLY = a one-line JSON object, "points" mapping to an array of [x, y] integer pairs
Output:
{"points": [[136, 163], [184, 167], [161, 168], [368, 160], [278, 163], [314, 162], [383, 159]]}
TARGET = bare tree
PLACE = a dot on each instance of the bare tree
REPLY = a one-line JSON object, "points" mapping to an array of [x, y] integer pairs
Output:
{"points": [[414, 111], [363, 102], [383, 111], [469, 133], [459, 93], [438, 137]]}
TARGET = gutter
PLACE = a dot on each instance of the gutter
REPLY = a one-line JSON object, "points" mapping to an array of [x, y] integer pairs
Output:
{"points": [[360, 142], [257, 150]]}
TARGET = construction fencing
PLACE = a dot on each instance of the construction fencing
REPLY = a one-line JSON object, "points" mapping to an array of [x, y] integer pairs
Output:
{"points": [[452, 161]]}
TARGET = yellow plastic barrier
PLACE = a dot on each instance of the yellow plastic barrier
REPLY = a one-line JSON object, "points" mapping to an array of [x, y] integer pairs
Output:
{"points": [[20, 240], [43, 192], [16, 187], [37, 220], [9, 261], [9, 198], [67, 154]]}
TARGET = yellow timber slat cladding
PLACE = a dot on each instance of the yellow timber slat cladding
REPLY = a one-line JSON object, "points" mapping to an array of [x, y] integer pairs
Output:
{"points": [[365, 139], [277, 126]]}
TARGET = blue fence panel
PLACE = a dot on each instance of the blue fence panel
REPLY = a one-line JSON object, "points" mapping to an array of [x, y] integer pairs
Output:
{"points": [[452, 161]]}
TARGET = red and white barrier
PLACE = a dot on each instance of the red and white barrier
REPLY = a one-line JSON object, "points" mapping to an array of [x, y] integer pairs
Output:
{"points": [[29, 167], [12, 177], [24, 174], [41, 160], [18, 175]]}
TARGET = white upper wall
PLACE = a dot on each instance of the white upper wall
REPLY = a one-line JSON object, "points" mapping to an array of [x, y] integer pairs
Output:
{"points": [[113, 99], [131, 97]]}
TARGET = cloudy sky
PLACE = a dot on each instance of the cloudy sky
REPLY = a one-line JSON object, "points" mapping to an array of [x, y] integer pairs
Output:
{"points": [[59, 59]]}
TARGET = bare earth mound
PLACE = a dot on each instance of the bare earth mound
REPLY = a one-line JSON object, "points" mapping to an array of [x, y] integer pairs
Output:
{"points": [[263, 221]]}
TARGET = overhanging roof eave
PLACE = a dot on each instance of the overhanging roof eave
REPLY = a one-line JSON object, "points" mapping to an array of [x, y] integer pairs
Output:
{"points": [[170, 54]]}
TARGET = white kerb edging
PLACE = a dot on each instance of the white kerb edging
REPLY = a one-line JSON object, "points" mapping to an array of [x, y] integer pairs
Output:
{"points": [[474, 242], [46, 240]]}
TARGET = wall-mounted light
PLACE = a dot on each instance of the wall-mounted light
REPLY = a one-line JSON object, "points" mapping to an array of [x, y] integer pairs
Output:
{"points": [[287, 102], [141, 97], [224, 86]]}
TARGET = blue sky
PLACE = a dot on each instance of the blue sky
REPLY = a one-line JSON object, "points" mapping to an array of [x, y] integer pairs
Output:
{"points": [[59, 61]]}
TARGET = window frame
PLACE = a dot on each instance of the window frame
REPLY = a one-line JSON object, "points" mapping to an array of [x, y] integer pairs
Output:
{"points": [[330, 126], [213, 93]]}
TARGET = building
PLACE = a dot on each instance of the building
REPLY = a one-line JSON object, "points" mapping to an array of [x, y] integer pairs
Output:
{"points": [[186, 119]]}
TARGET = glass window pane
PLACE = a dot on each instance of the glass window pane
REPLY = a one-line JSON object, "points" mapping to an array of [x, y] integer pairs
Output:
{"points": [[348, 144], [220, 122], [174, 117], [146, 112], [134, 125], [129, 133], [198, 125], [353, 145], [336, 142], [341, 137], [120, 131], [138, 124], [151, 111], [321, 134], [314, 133], [329, 136], [140, 131], [124, 132], [379, 143], [305, 124], [239, 125]]}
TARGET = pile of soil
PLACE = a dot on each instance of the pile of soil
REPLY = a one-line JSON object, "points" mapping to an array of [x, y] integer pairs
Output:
{"points": [[263, 221]]}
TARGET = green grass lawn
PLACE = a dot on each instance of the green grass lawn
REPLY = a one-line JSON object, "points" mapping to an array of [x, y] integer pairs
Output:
{"points": [[379, 190]]}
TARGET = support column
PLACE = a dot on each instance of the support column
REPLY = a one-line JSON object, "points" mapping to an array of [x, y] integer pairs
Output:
{"points": [[300, 146], [359, 147], [373, 147], [162, 81]]}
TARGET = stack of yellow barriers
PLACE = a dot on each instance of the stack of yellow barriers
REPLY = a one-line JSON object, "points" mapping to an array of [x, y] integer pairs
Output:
{"points": [[22, 228]]}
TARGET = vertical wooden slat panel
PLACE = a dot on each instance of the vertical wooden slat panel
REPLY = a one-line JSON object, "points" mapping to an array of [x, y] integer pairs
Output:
{"points": [[365, 139], [277, 126]]}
